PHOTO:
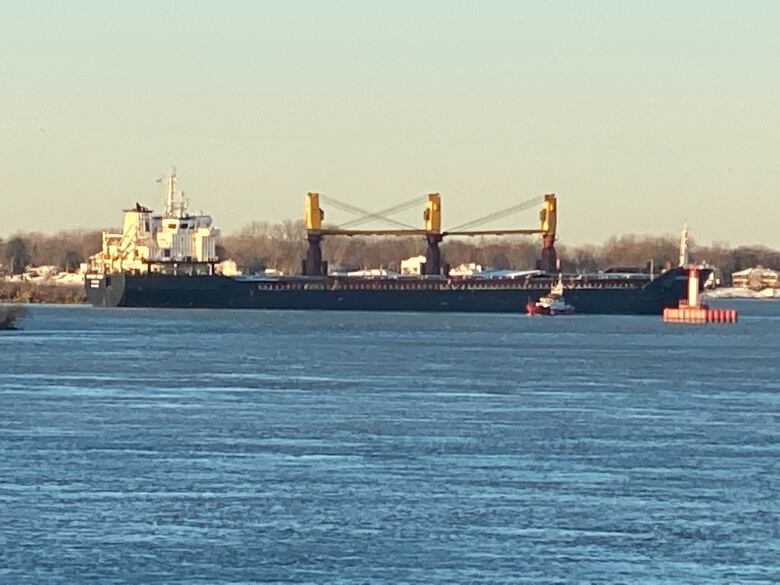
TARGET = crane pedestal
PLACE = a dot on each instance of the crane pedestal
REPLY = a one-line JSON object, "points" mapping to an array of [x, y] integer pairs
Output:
{"points": [[312, 264], [549, 258], [433, 255]]}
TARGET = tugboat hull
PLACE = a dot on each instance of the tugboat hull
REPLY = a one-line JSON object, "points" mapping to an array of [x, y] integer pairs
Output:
{"points": [[534, 309]]}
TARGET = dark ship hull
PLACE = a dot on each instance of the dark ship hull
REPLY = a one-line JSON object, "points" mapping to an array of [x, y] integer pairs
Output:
{"points": [[632, 294]]}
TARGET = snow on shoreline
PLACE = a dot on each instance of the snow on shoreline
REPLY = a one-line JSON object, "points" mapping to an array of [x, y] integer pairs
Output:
{"points": [[741, 293], [60, 279]]}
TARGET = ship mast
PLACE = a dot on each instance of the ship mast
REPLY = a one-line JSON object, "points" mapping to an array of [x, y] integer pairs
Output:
{"points": [[175, 203], [684, 260]]}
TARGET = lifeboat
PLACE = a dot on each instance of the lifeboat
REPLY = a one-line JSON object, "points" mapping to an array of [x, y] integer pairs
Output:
{"points": [[552, 303]]}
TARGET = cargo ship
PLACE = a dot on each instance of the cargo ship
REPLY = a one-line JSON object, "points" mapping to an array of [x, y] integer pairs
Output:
{"points": [[169, 259]]}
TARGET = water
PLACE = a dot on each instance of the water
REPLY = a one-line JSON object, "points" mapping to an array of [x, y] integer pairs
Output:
{"points": [[155, 446]]}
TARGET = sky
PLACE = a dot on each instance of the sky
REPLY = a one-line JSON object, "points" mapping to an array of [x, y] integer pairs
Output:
{"points": [[639, 115]]}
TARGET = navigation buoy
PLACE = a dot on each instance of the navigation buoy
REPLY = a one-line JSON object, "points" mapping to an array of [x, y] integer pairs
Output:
{"points": [[690, 310]]}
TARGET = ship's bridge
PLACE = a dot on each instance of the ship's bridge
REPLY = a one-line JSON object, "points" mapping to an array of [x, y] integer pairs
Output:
{"points": [[147, 238]]}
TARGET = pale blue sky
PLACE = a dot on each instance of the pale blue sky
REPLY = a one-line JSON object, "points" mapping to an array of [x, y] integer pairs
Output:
{"points": [[640, 115]]}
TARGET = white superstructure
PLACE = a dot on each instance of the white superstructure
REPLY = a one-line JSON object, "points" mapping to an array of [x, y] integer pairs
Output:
{"points": [[152, 241]]}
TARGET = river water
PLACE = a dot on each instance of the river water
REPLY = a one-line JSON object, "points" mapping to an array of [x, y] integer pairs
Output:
{"points": [[185, 446]]}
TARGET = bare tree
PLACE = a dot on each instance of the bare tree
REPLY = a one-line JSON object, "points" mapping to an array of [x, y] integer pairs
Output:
{"points": [[17, 256]]}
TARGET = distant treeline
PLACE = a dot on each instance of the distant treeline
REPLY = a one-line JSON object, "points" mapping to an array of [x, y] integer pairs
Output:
{"points": [[262, 245], [66, 250]]}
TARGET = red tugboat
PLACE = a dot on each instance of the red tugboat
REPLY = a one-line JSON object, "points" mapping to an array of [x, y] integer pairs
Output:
{"points": [[552, 303]]}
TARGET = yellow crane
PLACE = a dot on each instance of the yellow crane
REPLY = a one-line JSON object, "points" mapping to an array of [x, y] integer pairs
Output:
{"points": [[314, 217]]}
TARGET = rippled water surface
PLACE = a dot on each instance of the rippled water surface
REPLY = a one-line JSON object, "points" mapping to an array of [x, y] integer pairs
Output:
{"points": [[156, 446]]}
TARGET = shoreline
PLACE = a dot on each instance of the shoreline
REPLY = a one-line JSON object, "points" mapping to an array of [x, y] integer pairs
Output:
{"points": [[39, 293]]}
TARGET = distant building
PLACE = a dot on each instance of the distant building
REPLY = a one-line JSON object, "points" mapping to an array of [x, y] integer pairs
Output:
{"points": [[469, 269], [335, 269], [48, 275], [228, 268], [412, 266], [757, 278], [373, 273]]}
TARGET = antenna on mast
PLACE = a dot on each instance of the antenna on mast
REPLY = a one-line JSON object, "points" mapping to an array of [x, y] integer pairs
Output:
{"points": [[175, 202], [170, 195]]}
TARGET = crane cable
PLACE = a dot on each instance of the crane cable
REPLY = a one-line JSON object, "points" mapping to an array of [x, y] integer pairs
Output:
{"points": [[362, 212], [523, 205], [382, 213]]}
